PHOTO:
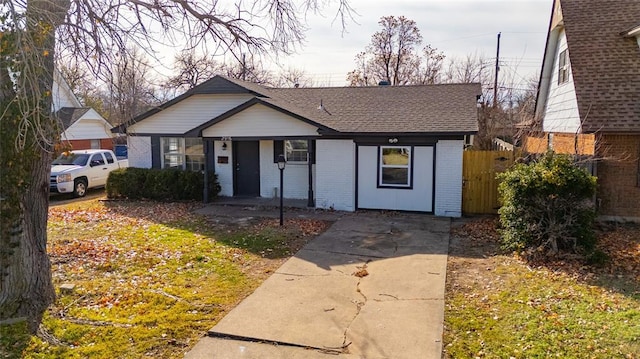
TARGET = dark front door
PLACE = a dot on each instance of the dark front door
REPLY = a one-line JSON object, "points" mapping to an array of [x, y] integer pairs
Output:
{"points": [[246, 161]]}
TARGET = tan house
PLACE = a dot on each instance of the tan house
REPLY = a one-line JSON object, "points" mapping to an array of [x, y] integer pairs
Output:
{"points": [[589, 96]]}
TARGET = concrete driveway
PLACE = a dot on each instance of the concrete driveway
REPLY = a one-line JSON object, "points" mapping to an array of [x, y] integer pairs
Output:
{"points": [[372, 286]]}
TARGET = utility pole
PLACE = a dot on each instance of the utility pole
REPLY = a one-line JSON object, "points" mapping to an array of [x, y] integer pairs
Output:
{"points": [[495, 83]]}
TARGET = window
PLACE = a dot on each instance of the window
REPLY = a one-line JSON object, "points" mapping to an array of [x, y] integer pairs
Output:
{"points": [[95, 144], [182, 153], [563, 67], [194, 153], [296, 151], [395, 167], [108, 156], [96, 160]]}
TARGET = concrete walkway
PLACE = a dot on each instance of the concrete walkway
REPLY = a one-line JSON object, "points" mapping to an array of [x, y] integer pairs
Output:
{"points": [[372, 286]]}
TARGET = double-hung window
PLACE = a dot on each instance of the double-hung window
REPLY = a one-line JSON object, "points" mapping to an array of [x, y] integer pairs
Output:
{"points": [[563, 67], [182, 153], [395, 167], [296, 151]]}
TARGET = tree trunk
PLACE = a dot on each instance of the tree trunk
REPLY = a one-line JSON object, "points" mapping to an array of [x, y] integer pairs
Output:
{"points": [[26, 288]]}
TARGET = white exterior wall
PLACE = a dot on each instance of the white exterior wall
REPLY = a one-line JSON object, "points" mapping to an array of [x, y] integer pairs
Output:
{"points": [[139, 151], [561, 109], [260, 121], [336, 174], [90, 126], [448, 202], [224, 170], [61, 95], [295, 177], [417, 198], [188, 113]]}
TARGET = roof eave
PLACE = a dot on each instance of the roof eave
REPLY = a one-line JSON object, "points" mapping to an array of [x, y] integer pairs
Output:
{"points": [[547, 62], [404, 134], [197, 131], [632, 32], [193, 91]]}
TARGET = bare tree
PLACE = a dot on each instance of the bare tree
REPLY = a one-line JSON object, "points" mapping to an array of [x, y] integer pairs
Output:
{"points": [[248, 69], [469, 69], [130, 88], [429, 70], [191, 70], [82, 83], [94, 32], [493, 120], [392, 56], [292, 77]]}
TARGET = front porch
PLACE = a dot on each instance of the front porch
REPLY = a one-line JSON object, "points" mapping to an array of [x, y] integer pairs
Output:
{"points": [[260, 202]]}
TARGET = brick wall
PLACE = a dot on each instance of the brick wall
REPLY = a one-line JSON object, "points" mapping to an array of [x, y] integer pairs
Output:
{"points": [[105, 144], [534, 144], [581, 144], [335, 180], [295, 176], [618, 176], [139, 151], [568, 143]]}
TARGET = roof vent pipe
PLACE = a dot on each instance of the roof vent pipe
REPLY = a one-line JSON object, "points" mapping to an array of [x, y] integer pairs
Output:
{"points": [[384, 83]]}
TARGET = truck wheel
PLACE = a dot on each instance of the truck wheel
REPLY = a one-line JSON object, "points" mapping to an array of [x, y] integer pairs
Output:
{"points": [[80, 188]]}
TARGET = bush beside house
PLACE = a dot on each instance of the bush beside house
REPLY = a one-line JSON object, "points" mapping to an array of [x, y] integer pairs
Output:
{"points": [[161, 185], [547, 206]]}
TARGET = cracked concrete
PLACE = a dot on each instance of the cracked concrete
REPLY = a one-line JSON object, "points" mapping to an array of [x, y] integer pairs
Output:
{"points": [[315, 301], [361, 273]]}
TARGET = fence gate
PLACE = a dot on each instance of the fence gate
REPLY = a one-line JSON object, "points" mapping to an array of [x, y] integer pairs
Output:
{"points": [[480, 187]]}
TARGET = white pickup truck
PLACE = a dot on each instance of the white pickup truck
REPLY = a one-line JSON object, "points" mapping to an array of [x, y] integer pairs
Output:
{"points": [[76, 171]]}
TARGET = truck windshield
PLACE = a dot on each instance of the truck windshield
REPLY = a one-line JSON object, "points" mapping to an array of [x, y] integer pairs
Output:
{"points": [[72, 159]]}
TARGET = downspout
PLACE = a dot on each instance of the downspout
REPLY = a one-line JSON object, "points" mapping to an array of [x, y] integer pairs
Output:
{"points": [[208, 149]]}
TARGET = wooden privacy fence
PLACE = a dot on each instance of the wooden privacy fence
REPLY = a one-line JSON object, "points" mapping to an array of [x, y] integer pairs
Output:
{"points": [[480, 186]]}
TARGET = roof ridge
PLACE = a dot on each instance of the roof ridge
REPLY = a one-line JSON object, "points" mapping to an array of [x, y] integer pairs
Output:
{"points": [[375, 86]]}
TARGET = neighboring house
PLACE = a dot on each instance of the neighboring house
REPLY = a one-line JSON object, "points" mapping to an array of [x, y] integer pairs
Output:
{"points": [[82, 127], [385, 147], [589, 96]]}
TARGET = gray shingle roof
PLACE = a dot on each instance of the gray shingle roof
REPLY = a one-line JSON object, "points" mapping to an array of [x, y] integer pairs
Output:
{"points": [[386, 109], [69, 115], [446, 108], [605, 64]]}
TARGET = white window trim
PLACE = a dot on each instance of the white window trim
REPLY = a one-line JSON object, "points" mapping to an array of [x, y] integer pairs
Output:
{"points": [[182, 152], [408, 166], [295, 162], [563, 69]]}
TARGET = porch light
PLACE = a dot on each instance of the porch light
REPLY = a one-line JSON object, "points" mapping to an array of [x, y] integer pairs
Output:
{"points": [[281, 164], [224, 146]]}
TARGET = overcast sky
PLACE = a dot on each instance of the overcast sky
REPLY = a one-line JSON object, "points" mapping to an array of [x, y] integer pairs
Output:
{"points": [[455, 27]]}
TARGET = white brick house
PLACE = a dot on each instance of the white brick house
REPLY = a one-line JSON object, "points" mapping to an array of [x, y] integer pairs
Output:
{"points": [[347, 148]]}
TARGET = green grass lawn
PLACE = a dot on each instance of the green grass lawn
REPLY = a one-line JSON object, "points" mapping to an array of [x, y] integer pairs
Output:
{"points": [[498, 306], [150, 279]]}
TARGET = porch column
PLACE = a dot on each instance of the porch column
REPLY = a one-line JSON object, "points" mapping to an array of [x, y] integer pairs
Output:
{"points": [[310, 149], [208, 155]]}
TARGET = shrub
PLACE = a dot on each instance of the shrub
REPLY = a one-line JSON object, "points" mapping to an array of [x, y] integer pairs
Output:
{"points": [[161, 185], [547, 206]]}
